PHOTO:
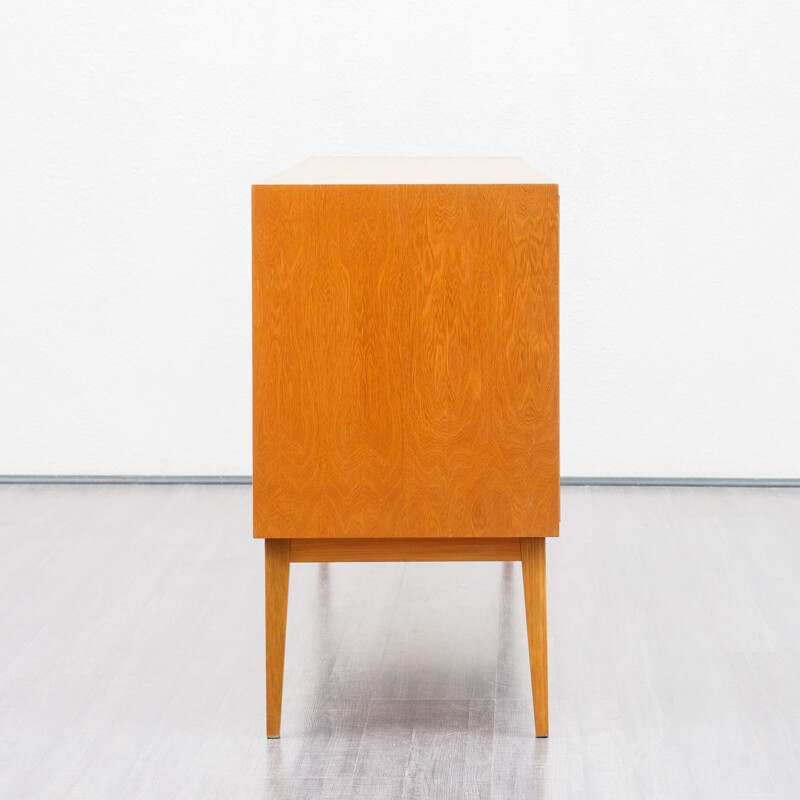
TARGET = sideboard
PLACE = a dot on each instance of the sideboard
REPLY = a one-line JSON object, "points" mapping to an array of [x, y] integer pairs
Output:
{"points": [[405, 375]]}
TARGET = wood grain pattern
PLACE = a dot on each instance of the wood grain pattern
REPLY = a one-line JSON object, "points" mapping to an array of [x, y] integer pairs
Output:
{"points": [[535, 585], [276, 591], [439, 549], [405, 361]]}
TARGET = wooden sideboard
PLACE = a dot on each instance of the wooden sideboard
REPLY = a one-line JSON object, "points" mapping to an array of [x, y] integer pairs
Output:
{"points": [[405, 374]]}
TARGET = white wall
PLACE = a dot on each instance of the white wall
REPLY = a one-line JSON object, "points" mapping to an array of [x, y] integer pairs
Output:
{"points": [[130, 134]]}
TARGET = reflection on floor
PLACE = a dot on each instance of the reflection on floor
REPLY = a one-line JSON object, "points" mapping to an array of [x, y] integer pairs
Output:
{"points": [[131, 655]]}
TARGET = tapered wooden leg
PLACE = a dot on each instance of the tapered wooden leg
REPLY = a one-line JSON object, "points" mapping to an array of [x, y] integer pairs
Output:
{"points": [[533, 579], [276, 582]]}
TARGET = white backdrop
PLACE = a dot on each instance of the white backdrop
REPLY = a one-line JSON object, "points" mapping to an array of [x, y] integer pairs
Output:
{"points": [[130, 134]]}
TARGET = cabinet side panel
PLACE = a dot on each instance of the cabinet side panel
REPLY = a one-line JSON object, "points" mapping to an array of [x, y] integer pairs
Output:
{"points": [[405, 360]]}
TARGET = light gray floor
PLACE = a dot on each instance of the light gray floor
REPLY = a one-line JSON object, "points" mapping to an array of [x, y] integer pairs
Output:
{"points": [[131, 655]]}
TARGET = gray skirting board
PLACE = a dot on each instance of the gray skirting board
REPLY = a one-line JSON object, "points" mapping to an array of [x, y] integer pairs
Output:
{"points": [[247, 479]]}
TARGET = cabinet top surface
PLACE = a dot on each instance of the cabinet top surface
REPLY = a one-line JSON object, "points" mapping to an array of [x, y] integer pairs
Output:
{"points": [[337, 171]]}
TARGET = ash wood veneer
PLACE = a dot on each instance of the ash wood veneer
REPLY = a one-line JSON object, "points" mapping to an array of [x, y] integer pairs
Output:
{"points": [[405, 374]]}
